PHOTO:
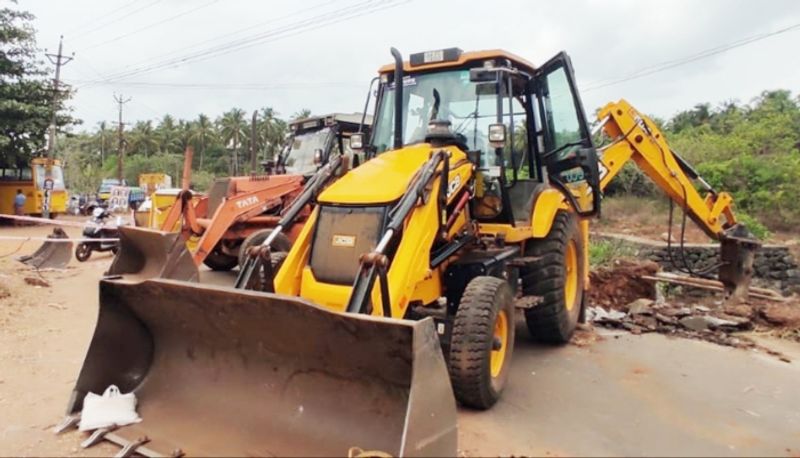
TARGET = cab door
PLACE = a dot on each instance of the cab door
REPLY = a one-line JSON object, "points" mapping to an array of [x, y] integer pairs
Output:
{"points": [[565, 144]]}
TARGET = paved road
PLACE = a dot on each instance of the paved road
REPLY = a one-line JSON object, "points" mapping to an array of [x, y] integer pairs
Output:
{"points": [[637, 395]]}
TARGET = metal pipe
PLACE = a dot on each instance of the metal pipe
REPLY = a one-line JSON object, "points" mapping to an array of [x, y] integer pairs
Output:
{"points": [[387, 237], [398, 98]]}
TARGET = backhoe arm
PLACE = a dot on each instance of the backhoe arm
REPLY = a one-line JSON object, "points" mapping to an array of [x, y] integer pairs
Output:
{"points": [[636, 137]]}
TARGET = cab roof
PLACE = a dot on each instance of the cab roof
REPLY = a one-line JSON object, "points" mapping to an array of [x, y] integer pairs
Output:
{"points": [[463, 59]]}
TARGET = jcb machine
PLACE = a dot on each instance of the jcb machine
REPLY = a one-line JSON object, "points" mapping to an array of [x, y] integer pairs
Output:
{"points": [[398, 296], [239, 212]]}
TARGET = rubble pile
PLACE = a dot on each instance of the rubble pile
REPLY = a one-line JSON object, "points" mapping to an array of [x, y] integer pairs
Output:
{"points": [[621, 299]]}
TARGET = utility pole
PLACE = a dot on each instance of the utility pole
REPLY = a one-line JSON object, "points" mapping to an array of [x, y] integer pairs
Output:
{"points": [[121, 152], [253, 138], [59, 60]]}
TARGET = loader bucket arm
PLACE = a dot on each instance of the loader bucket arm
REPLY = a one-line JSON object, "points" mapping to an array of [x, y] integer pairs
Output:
{"points": [[229, 372], [636, 137]]}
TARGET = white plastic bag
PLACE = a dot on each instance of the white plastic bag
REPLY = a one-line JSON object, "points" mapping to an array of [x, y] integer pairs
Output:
{"points": [[112, 408]]}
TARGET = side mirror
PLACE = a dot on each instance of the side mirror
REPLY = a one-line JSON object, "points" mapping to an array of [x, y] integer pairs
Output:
{"points": [[357, 142], [497, 135], [317, 156]]}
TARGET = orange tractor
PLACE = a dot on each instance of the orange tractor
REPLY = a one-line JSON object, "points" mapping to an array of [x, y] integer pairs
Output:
{"points": [[239, 212]]}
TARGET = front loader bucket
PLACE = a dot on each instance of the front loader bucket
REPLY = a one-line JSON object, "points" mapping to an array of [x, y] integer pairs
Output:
{"points": [[148, 253], [226, 372], [737, 253], [52, 255]]}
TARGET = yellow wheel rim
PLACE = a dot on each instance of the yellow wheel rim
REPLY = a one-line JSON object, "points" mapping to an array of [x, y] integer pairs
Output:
{"points": [[498, 355], [571, 275]]}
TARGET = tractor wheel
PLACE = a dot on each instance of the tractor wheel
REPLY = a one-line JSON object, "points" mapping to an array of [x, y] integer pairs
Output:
{"points": [[280, 244], [482, 342], [556, 277], [83, 251], [219, 261]]}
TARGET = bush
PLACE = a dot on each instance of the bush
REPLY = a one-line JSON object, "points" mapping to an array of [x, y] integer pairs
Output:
{"points": [[754, 226]]}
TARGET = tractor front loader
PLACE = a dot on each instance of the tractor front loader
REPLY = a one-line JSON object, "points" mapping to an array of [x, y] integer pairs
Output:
{"points": [[240, 212], [398, 298]]}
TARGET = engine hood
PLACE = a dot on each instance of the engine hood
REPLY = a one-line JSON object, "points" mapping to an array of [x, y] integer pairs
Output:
{"points": [[384, 178]]}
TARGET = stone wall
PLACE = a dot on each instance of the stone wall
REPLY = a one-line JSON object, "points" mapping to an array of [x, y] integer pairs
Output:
{"points": [[774, 265]]}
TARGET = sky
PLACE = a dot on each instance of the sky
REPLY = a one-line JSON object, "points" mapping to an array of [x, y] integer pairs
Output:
{"points": [[186, 57]]}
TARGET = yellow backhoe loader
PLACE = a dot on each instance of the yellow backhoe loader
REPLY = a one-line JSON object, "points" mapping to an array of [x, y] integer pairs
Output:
{"points": [[399, 295]]}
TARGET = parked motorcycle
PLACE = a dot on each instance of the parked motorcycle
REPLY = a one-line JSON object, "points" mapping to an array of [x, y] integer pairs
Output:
{"points": [[99, 228]]}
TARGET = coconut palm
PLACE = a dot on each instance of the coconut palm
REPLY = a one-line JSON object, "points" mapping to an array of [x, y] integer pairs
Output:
{"points": [[143, 138], [168, 135], [302, 114], [233, 129], [204, 133], [102, 139], [271, 131]]}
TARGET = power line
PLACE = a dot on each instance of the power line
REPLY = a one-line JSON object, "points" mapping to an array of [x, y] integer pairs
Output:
{"points": [[114, 21], [656, 68], [150, 26], [235, 32], [102, 16], [121, 126], [233, 86], [302, 26]]}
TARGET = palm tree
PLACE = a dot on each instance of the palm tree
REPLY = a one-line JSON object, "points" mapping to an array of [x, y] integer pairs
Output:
{"points": [[271, 131], [101, 138], [233, 128], [302, 114], [143, 138], [168, 136], [203, 134]]}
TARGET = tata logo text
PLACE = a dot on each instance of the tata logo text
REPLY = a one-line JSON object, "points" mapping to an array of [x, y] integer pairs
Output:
{"points": [[252, 200]]}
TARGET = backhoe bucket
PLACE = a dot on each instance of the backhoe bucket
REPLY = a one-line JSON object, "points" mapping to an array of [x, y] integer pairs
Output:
{"points": [[148, 253], [737, 253], [51, 255], [226, 372]]}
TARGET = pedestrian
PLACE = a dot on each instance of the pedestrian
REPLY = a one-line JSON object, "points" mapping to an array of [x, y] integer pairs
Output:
{"points": [[19, 206]]}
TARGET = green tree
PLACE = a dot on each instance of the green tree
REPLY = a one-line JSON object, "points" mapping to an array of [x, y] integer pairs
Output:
{"points": [[232, 129], [301, 114], [143, 139], [25, 92], [203, 135]]}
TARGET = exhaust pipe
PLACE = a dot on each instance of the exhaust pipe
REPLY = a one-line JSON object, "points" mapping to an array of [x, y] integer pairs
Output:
{"points": [[398, 98]]}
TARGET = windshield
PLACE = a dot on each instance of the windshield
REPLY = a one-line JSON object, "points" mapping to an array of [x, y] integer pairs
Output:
{"points": [[469, 110], [300, 158], [56, 174]]}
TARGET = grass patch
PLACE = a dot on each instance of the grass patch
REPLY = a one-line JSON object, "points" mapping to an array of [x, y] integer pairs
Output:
{"points": [[603, 252]]}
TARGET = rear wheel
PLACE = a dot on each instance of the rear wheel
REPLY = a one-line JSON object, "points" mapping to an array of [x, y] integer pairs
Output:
{"points": [[482, 342], [556, 277], [219, 261], [83, 251], [280, 244]]}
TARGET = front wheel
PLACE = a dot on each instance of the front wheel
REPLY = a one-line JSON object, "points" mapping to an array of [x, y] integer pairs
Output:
{"points": [[482, 342], [83, 251], [556, 276]]}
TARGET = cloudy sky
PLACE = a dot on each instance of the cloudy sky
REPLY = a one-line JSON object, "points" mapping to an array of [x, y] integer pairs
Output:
{"points": [[187, 57]]}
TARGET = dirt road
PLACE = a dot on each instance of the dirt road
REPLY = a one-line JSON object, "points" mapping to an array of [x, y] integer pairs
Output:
{"points": [[621, 395]]}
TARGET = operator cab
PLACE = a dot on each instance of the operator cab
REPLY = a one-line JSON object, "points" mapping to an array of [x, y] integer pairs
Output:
{"points": [[311, 141], [524, 128]]}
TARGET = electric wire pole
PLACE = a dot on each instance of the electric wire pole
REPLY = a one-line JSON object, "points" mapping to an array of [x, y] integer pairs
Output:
{"points": [[59, 60], [121, 152]]}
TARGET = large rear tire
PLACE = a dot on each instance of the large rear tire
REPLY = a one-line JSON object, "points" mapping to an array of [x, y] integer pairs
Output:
{"points": [[219, 261], [280, 244], [482, 342], [556, 276]]}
